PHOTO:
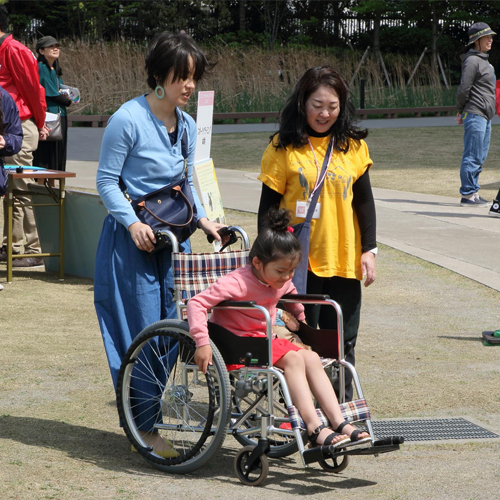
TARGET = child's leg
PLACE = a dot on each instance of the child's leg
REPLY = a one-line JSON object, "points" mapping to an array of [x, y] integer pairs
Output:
{"points": [[321, 387], [295, 374]]}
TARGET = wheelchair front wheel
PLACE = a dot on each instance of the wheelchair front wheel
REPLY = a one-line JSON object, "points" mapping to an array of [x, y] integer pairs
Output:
{"points": [[335, 464], [251, 476], [162, 394]]}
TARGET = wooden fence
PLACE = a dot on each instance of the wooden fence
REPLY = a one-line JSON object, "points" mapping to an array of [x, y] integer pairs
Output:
{"points": [[268, 116]]}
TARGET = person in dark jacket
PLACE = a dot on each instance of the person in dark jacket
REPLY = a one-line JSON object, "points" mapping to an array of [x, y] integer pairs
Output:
{"points": [[11, 131], [52, 154], [476, 108]]}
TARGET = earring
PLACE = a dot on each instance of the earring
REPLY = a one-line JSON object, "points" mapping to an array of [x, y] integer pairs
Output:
{"points": [[159, 92]]}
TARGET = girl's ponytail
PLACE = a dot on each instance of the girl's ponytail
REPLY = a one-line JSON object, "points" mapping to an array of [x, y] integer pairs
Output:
{"points": [[276, 239]]}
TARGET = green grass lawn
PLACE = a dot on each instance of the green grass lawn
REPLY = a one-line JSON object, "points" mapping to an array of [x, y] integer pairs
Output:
{"points": [[419, 160]]}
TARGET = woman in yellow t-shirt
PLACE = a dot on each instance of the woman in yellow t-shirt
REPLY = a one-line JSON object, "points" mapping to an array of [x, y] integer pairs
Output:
{"points": [[342, 241]]}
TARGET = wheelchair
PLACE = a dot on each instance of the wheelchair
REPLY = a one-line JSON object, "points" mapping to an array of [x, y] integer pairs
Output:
{"points": [[161, 390]]}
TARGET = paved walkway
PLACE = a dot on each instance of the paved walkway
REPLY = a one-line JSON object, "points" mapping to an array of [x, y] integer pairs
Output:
{"points": [[434, 228]]}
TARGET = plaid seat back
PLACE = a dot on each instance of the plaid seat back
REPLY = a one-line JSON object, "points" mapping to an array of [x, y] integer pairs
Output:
{"points": [[195, 272], [352, 411]]}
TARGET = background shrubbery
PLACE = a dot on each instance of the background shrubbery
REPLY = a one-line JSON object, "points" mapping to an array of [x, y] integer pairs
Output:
{"points": [[245, 79]]}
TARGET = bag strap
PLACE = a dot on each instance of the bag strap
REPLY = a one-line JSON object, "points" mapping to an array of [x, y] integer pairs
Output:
{"points": [[184, 152], [315, 198]]}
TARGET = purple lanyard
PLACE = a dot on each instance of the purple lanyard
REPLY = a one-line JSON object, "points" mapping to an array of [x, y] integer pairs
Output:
{"points": [[319, 182]]}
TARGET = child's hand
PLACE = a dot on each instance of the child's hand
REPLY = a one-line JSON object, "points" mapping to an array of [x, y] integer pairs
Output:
{"points": [[203, 357]]}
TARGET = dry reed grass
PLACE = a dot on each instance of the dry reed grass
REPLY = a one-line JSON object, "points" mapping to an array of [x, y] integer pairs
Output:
{"points": [[244, 80]]}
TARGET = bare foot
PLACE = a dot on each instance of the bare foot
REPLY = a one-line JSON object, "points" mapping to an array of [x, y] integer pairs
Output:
{"points": [[349, 430], [324, 433], [327, 436]]}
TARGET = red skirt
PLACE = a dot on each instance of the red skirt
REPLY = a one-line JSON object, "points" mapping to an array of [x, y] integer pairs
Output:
{"points": [[280, 348]]}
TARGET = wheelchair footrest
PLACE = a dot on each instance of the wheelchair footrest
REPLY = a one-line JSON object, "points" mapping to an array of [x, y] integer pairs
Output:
{"points": [[380, 446]]}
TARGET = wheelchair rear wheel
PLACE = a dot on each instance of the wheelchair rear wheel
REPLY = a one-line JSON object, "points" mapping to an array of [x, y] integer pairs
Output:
{"points": [[162, 394]]}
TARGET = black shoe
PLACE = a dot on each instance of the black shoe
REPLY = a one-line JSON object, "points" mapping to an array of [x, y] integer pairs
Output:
{"points": [[28, 262], [3, 254], [481, 200], [495, 209], [473, 202]]}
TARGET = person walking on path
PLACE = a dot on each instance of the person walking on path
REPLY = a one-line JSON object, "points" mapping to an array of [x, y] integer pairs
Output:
{"points": [[52, 154], [476, 108], [343, 229], [19, 77]]}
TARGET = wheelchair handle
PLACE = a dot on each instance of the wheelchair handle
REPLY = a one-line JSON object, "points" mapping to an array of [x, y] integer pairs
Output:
{"points": [[223, 231]]}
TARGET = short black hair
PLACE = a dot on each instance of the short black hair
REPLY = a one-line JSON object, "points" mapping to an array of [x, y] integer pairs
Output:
{"points": [[177, 54], [4, 18], [293, 117]]}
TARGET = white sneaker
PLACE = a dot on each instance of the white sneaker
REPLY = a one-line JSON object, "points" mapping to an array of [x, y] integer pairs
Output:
{"points": [[1, 287]]}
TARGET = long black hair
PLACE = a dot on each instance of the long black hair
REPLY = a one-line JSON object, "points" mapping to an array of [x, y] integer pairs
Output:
{"points": [[57, 67], [276, 239], [293, 118]]}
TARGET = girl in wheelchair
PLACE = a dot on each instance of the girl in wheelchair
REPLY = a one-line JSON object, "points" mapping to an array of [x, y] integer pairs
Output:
{"points": [[273, 259]]}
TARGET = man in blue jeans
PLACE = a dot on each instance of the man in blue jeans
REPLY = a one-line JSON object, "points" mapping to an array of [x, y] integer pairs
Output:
{"points": [[476, 108]]}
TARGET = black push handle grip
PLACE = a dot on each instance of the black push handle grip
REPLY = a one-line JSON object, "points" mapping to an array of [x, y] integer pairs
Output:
{"points": [[223, 231]]}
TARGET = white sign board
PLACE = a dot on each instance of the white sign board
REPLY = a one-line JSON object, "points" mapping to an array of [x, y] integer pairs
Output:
{"points": [[204, 119]]}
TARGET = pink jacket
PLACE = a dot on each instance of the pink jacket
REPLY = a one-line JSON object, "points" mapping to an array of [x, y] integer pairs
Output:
{"points": [[237, 285]]}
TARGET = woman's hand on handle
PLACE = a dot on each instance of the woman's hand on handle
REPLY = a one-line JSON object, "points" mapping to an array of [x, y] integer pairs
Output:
{"points": [[368, 267], [203, 357], [210, 228], [142, 235]]}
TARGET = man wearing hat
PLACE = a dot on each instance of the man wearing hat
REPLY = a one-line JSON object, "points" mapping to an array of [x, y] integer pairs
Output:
{"points": [[476, 108], [19, 77]]}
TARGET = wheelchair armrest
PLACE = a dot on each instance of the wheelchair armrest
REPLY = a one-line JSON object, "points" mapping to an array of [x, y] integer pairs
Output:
{"points": [[236, 303], [305, 298]]}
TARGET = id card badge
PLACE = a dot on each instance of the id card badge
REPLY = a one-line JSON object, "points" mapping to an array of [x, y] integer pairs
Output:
{"points": [[303, 206]]}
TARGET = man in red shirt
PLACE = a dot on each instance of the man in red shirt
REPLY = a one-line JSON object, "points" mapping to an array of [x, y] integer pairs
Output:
{"points": [[19, 76]]}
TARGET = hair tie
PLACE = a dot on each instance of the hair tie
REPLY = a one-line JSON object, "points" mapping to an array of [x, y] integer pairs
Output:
{"points": [[289, 229]]}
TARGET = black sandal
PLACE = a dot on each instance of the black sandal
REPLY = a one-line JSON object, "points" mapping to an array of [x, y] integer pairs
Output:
{"points": [[313, 438], [354, 434]]}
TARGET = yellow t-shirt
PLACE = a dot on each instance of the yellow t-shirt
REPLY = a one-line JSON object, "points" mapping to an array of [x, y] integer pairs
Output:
{"points": [[335, 242]]}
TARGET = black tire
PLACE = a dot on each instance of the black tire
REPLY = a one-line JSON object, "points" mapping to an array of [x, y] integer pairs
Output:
{"points": [[185, 407], [281, 445], [335, 464], [251, 477]]}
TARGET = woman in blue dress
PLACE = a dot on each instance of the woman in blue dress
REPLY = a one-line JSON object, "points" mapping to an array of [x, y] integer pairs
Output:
{"points": [[143, 146]]}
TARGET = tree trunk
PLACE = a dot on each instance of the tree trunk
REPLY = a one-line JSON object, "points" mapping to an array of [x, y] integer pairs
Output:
{"points": [[376, 34], [242, 4], [434, 51], [100, 23]]}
